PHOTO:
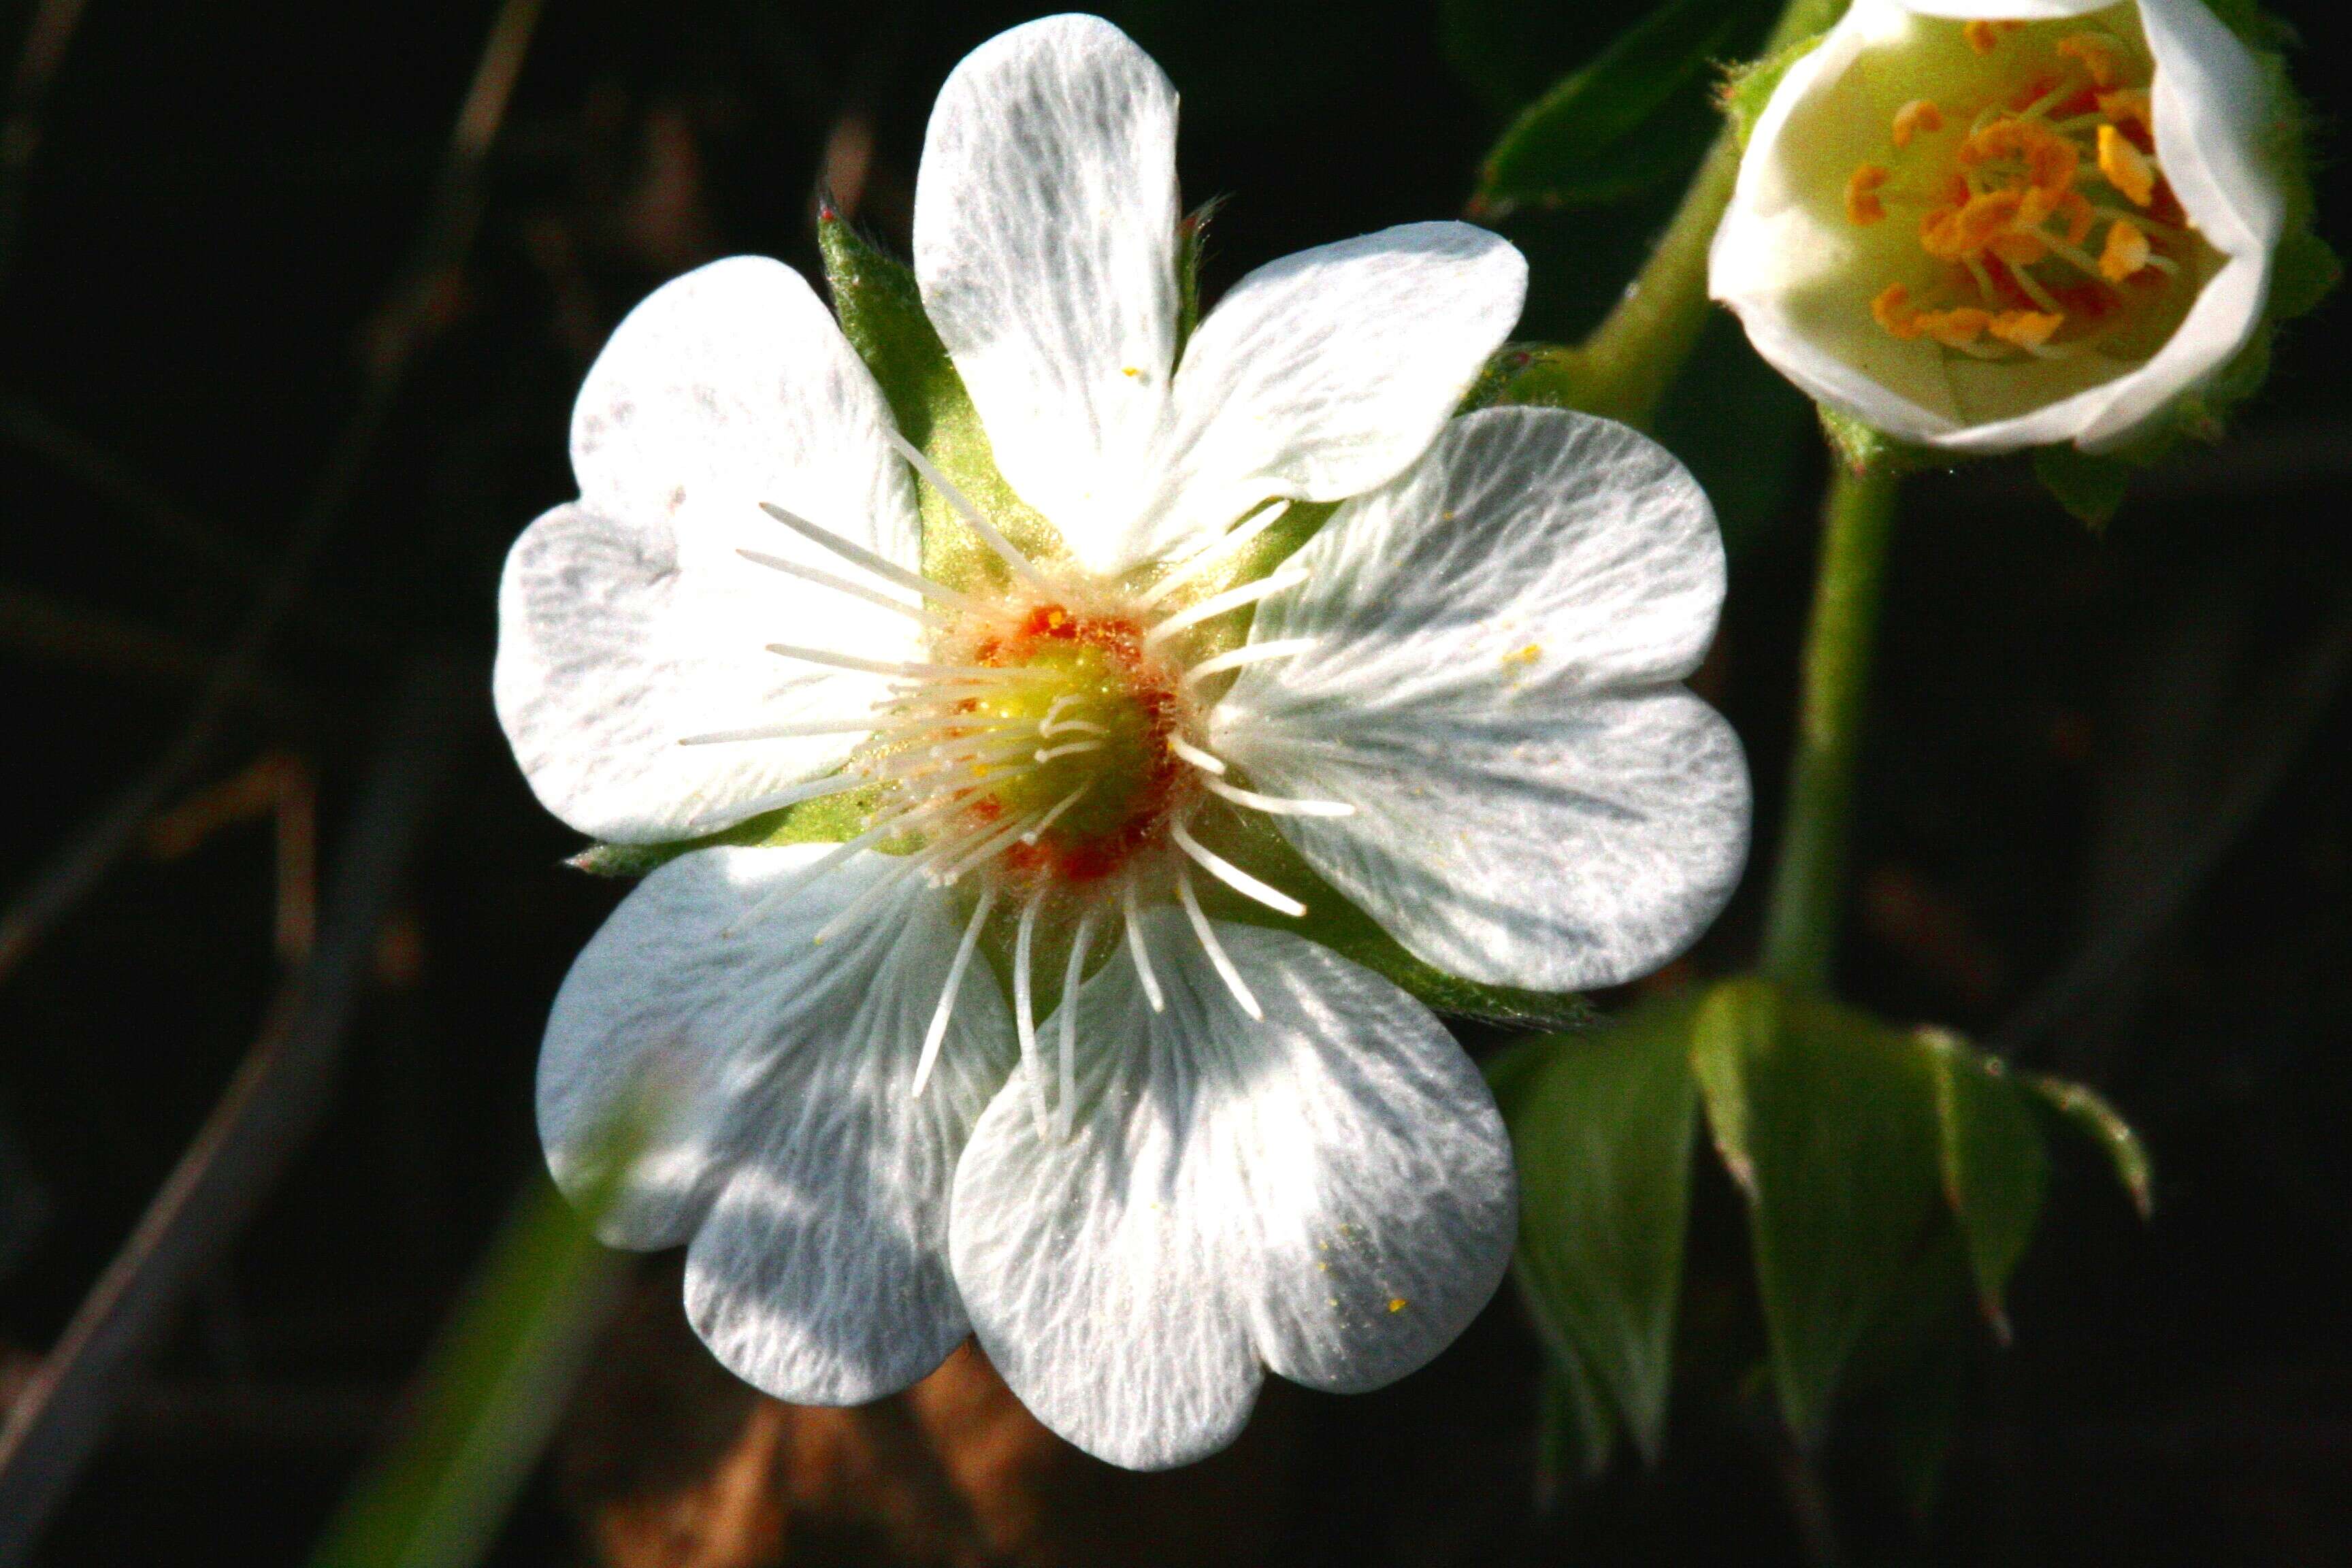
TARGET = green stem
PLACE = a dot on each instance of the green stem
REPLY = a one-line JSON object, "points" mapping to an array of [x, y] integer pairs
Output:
{"points": [[1623, 369], [1801, 925]]}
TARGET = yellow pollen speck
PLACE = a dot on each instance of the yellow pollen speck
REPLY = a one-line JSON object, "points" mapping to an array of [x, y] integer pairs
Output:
{"points": [[2098, 56], [2025, 329], [1916, 118], [1862, 203], [1526, 655], [2125, 166], [1129, 370], [2125, 252], [1396, 1303]]}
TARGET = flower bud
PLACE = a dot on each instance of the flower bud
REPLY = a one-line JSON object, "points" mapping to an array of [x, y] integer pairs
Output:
{"points": [[1977, 225]]}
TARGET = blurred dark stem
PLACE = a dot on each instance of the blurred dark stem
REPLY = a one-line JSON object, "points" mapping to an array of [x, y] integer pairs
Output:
{"points": [[2277, 730], [1801, 923], [265, 1115], [413, 315], [46, 39]]}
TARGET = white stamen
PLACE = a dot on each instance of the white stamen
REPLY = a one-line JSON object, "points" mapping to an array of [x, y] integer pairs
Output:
{"points": [[1138, 951], [1279, 805], [1209, 944], [1248, 653], [938, 1030], [1025, 1015], [817, 789], [849, 912], [828, 580], [1249, 528], [1206, 762], [1053, 724], [1021, 565], [1216, 604], [777, 733], [796, 881], [889, 667], [1053, 816], [1066, 1095], [1046, 754], [989, 845], [1233, 876], [890, 570]]}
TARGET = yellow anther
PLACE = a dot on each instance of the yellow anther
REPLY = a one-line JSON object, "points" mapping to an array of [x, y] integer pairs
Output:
{"points": [[2018, 248], [2125, 166], [1396, 1303], [1862, 203], [2099, 57], [1892, 311], [1954, 328], [2125, 253], [1951, 233], [1918, 117], [1985, 37], [2129, 104], [2026, 329]]}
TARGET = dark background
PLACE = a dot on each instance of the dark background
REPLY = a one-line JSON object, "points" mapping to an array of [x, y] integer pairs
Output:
{"points": [[2065, 727]]}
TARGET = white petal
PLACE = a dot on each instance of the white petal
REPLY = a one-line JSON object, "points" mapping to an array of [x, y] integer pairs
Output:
{"points": [[1327, 373], [785, 1143], [1494, 637], [1780, 256], [628, 622], [1328, 1192], [1045, 247]]}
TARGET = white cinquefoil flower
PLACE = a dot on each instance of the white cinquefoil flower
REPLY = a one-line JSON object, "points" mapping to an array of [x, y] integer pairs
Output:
{"points": [[1982, 224], [1072, 782]]}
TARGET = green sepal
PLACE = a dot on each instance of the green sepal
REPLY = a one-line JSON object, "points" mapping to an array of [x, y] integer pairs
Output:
{"points": [[830, 820], [1747, 89], [1994, 1168], [1603, 1124], [1608, 130], [2090, 488], [2088, 1113], [1867, 449], [881, 312], [1191, 247], [1575, 1433]]}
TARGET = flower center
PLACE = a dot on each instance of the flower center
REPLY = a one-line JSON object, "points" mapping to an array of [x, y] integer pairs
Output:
{"points": [[1049, 746], [2050, 225]]}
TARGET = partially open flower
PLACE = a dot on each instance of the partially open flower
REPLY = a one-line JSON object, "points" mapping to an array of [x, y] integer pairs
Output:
{"points": [[1037, 1044], [1981, 224]]}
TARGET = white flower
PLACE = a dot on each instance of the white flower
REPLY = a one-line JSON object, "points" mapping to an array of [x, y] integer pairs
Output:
{"points": [[1982, 224], [1227, 1148]]}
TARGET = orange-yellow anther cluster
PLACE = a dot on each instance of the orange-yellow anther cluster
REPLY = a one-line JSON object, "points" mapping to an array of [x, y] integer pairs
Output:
{"points": [[2010, 191]]}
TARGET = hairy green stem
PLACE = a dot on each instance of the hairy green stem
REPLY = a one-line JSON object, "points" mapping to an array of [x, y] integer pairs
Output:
{"points": [[1623, 370], [1802, 922]]}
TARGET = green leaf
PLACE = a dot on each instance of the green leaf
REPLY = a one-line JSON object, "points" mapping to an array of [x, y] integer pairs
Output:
{"points": [[2306, 272], [1993, 1164], [881, 312], [1601, 1123], [2090, 487], [829, 820], [1609, 128], [492, 1386], [1575, 1432], [1907, 1374], [1826, 1120], [2087, 1113]]}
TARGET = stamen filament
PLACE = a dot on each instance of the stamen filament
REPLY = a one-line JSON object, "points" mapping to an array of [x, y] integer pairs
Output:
{"points": [[778, 732], [1138, 951], [1046, 754], [1053, 816], [1022, 566], [1215, 950], [881, 566], [1191, 566], [1208, 763], [889, 667], [1248, 653], [1233, 876], [1024, 1013], [1279, 805], [1066, 1096], [988, 846], [839, 584], [849, 913], [938, 1032], [816, 789], [1216, 604]]}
